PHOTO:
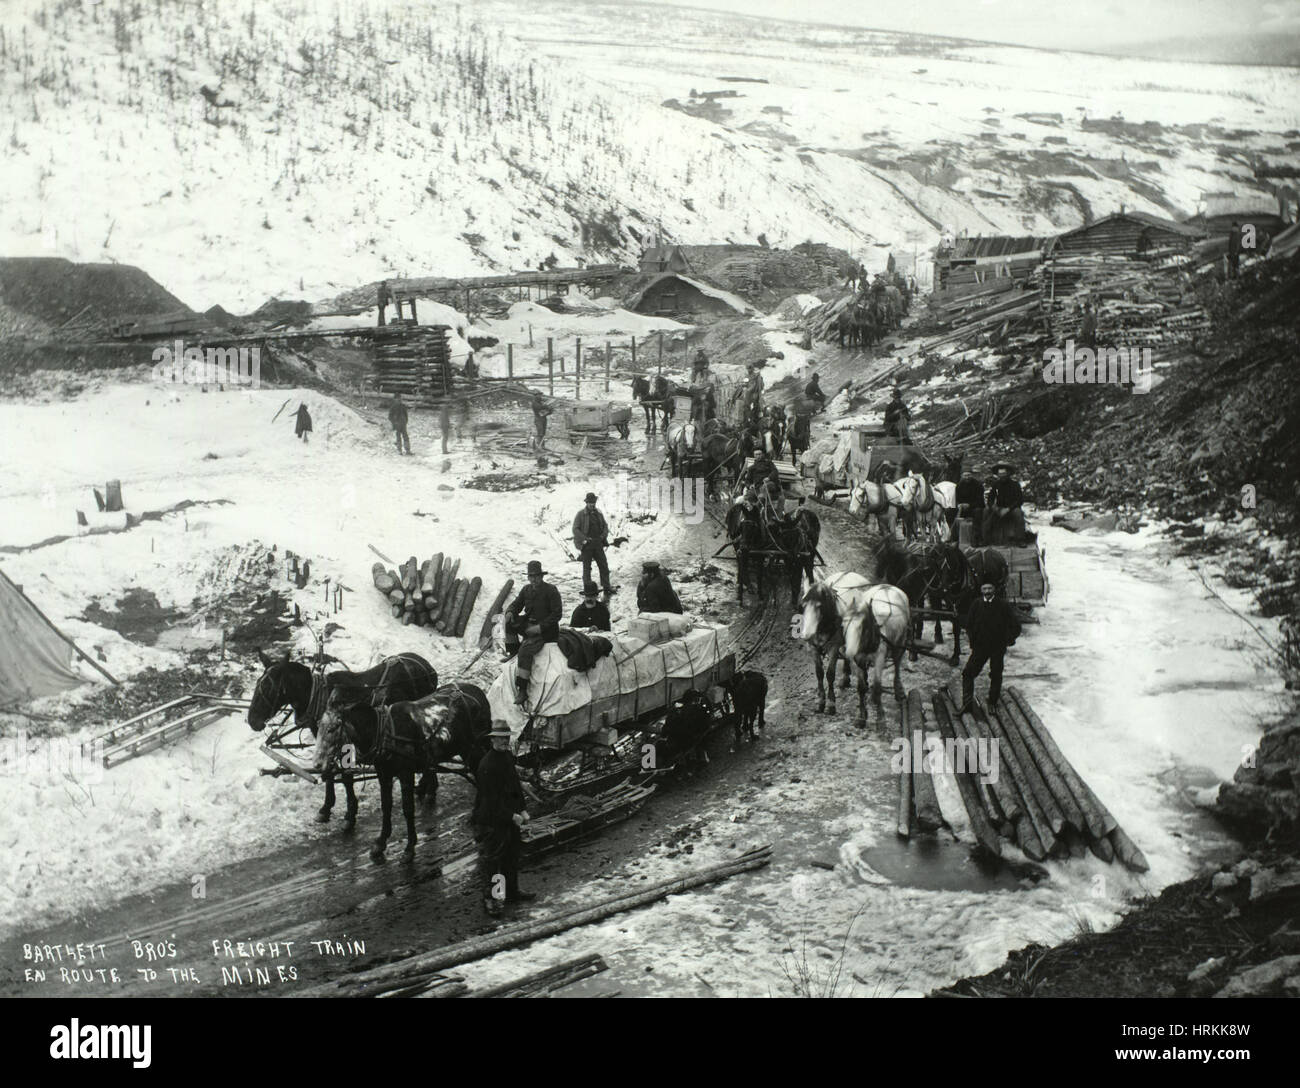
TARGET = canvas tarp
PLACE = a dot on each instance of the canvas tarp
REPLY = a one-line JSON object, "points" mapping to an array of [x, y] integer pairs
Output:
{"points": [[634, 679], [35, 659]]}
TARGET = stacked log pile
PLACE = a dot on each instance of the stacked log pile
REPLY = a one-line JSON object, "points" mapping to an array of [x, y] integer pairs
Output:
{"points": [[414, 361], [1032, 797], [430, 594]]}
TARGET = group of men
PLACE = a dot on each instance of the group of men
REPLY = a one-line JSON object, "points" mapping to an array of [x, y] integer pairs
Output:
{"points": [[998, 517]]}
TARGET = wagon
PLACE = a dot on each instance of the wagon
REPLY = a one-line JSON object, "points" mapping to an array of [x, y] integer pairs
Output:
{"points": [[584, 731], [857, 457], [591, 418]]}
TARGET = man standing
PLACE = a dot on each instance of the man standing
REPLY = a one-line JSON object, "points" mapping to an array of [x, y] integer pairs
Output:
{"points": [[753, 394], [992, 626], [499, 812], [591, 538], [540, 411], [970, 504], [302, 422], [655, 593], [897, 417], [1004, 520], [536, 614], [591, 612], [397, 416], [444, 423], [471, 368]]}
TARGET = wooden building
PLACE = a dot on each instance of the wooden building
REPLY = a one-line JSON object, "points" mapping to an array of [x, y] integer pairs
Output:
{"points": [[673, 295], [1127, 234], [980, 259], [660, 259]]}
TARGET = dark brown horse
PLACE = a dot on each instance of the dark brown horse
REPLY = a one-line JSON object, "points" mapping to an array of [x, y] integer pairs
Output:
{"points": [[796, 538], [414, 737], [939, 573], [745, 531], [655, 397], [288, 683]]}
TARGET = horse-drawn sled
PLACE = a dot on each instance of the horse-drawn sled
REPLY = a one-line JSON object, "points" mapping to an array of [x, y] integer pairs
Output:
{"points": [[644, 706], [835, 465], [595, 419]]}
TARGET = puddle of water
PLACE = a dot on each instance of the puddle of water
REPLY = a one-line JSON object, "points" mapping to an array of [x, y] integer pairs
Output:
{"points": [[928, 862]]}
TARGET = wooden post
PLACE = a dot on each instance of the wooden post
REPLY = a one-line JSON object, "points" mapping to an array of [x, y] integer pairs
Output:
{"points": [[530, 334], [510, 362], [550, 368], [608, 354], [550, 346], [661, 351], [634, 353], [577, 358]]}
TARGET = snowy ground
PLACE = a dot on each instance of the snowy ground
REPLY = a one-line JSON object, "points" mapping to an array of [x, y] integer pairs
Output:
{"points": [[1151, 688]]}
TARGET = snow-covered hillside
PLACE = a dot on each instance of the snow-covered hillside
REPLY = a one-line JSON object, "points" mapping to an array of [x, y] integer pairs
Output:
{"points": [[237, 150]]}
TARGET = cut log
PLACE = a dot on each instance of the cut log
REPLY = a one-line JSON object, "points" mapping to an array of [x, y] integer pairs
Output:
{"points": [[904, 777], [929, 817], [1014, 718], [968, 784], [1127, 852], [1028, 775], [396, 596], [1033, 814], [395, 609], [485, 634], [449, 619], [467, 609], [1001, 797], [435, 572], [423, 580], [1100, 822], [379, 979], [380, 576]]}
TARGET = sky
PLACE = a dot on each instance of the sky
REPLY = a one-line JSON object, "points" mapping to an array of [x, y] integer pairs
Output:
{"points": [[1055, 24]]}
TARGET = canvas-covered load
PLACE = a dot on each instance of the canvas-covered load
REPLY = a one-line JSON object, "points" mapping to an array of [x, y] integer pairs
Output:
{"points": [[635, 679], [828, 458]]}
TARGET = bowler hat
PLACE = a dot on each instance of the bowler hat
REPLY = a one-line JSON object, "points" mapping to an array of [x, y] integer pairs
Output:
{"points": [[534, 567], [591, 497], [499, 729], [650, 564], [987, 585], [590, 589], [1003, 465]]}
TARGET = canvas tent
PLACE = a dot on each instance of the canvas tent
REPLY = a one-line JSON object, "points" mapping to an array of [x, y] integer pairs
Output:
{"points": [[35, 659]]}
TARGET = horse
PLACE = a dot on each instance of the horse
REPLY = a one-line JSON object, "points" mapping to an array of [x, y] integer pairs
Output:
{"points": [[681, 440], [988, 565], [846, 614], [745, 532], [796, 538], [943, 510], [886, 501], [800, 438], [404, 737], [291, 683], [721, 457], [655, 398], [940, 573]]}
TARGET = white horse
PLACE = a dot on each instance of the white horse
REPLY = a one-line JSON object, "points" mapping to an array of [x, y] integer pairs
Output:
{"points": [[945, 500], [886, 501], [849, 615]]}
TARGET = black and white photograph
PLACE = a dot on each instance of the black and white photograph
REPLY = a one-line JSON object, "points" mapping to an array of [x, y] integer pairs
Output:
{"points": [[722, 500]]}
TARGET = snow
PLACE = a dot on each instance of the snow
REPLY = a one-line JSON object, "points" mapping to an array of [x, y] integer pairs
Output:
{"points": [[340, 183]]}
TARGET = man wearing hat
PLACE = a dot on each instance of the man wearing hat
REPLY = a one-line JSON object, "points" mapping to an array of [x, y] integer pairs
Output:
{"points": [[591, 538], [704, 383], [1004, 520], [539, 603], [774, 496], [753, 393], [813, 391], [992, 625], [897, 417], [655, 593], [591, 612], [499, 811]]}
